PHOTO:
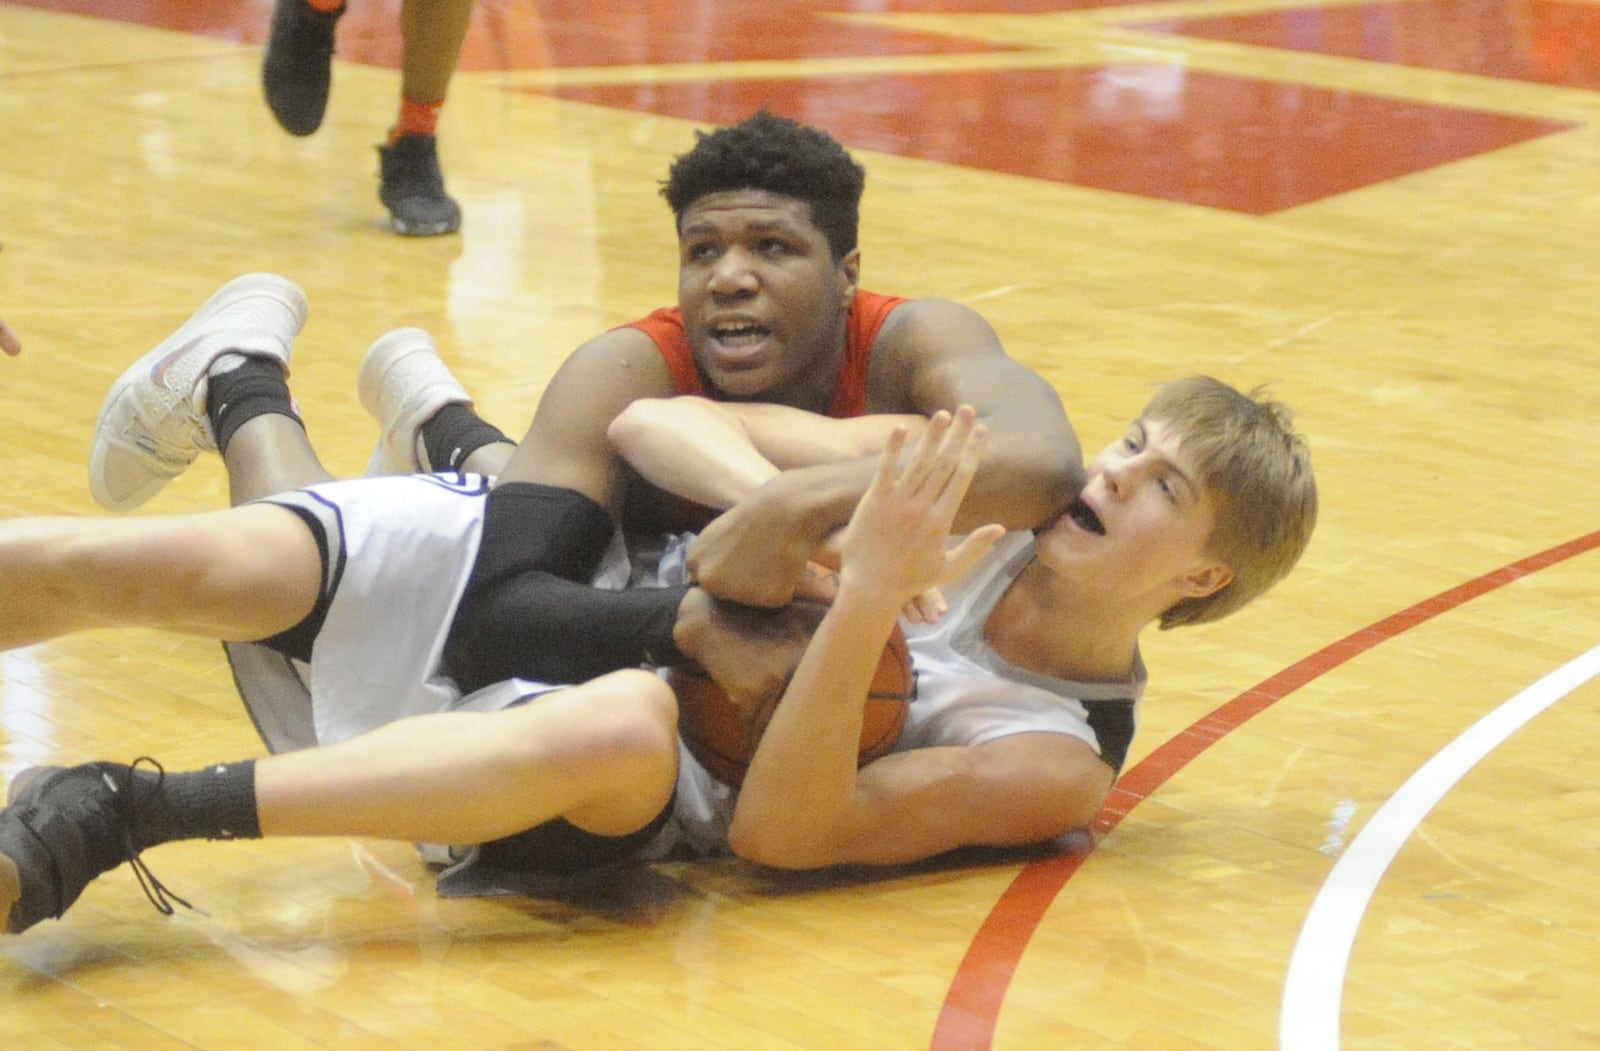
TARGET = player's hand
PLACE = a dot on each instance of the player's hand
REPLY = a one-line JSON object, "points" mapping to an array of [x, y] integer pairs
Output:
{"points": [[8, 340], [898, 540], [926, 607], [751, 553], [750, 653], [819, 583]]}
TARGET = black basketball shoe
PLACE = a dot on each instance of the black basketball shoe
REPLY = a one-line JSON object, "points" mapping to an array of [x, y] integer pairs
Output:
{"points": [[64, 827], [297, 66], [413, 188]]}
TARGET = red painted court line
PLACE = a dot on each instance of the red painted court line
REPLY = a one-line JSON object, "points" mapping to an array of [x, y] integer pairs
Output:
{"points": [[972, 1006]]}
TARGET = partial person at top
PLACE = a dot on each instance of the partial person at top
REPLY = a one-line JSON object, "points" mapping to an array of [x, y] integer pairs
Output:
{"points": [[296, 74]]}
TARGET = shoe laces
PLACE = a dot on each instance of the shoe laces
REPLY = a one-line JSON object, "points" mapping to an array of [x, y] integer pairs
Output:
{"points": [[138, 801]]}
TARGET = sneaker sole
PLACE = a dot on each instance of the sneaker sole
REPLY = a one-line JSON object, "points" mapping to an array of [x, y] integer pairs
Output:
{"points": [[10, 877], [405, 228], [239, 288], [10, 889], [288, 106], [21, 782], [381, 356]]}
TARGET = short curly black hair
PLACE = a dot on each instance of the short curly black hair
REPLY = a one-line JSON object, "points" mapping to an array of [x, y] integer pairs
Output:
{"points": [[779, 155]]}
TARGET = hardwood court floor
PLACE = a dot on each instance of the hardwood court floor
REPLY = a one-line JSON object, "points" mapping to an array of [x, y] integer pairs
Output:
{"points": [[1389, 211]]}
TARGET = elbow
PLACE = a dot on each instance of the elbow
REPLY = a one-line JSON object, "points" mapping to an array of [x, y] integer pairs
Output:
{"points": [[1033, 488], [627, 428], [771, 846]]}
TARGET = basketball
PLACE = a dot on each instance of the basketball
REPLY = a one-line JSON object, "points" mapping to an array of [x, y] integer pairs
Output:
{"points": [[716, 735]]}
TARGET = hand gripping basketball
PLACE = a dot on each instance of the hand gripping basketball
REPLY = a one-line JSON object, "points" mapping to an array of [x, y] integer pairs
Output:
{"points": [[719, 735]]}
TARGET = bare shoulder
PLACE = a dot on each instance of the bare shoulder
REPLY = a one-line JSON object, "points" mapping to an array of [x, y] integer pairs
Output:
{"points": [[604, 374], [938, 326], [922, 338], [624, 348], [566, 444]]}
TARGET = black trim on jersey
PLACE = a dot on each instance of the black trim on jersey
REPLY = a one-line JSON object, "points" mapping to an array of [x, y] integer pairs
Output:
{"points": [[297, 641], [1113, 726]]}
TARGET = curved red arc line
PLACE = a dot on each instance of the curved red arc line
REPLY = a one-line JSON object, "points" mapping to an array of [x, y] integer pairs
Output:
{"points": [[972, 1005]]}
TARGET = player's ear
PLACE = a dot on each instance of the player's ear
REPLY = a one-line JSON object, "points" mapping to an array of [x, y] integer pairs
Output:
{"points": [[1207, 580], [850, 270]]}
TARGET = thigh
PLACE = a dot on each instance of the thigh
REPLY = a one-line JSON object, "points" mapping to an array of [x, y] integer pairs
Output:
{"points": [[245, 573]]}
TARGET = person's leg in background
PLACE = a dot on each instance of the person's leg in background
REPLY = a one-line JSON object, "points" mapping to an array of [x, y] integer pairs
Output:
{"points": [[296, 74], [413, 184]]}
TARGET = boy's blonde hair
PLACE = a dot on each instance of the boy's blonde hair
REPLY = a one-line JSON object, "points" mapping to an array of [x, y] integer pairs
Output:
{"points": [[1257, 471]]}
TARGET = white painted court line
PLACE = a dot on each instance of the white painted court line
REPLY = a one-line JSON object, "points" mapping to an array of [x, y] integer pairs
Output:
{"points": [[1314, 986]]}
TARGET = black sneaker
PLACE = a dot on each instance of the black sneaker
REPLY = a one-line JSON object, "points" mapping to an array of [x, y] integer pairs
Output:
{"points": [[64, 827], [297, 64], [413, 188]]}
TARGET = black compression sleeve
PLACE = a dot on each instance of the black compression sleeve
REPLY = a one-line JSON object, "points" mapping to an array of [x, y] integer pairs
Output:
{"points": [[529, 611]]}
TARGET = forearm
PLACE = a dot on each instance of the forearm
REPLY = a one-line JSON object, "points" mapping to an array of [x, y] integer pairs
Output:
{"points": [[691, 447], [541, 627], [791, 438], [817, 500], [756, 553], [799, 805], [717, 453], [529, 609], [1023, 482]]}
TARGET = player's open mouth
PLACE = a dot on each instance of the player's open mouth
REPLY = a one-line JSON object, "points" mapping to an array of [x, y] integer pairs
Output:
{"points": [[737, 334], [1082, 514]]}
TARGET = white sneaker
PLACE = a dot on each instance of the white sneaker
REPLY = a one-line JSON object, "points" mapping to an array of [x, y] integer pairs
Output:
{"points": [[153, 423], [402, 383]]}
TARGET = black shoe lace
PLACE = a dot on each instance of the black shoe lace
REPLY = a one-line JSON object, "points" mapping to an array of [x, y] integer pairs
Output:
{"points": [[157, 893]]}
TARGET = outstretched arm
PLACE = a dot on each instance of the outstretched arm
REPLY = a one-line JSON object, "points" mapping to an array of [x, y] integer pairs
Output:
{"points": [[931, 355], [718, 453]]}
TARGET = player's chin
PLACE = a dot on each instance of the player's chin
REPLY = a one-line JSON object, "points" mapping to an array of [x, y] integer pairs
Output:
{"points": [[745, 384]]}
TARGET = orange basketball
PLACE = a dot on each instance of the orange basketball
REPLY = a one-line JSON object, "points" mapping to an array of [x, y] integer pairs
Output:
{"points": [[715, 734]]}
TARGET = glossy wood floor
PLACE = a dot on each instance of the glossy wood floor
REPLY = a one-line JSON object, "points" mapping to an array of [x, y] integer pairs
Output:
{"points": [[1389, 211]]}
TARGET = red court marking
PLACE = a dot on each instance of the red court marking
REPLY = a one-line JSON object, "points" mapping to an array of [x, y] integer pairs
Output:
{"points": [[571, 33], [1542, 41], [1159, 131], [972, 1006], [1156, 130]]}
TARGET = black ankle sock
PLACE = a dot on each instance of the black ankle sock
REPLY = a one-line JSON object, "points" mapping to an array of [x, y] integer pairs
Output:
{"points": [[454, 433], [218, 802], [256, 388]]}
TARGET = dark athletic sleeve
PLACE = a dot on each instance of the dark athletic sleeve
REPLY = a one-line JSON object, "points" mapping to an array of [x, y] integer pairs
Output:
{"points": [[529, 610]]}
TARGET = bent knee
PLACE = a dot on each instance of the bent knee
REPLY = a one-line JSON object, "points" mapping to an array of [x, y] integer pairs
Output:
{"points": [[642, 713], [624, 727], [627, 718]]}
